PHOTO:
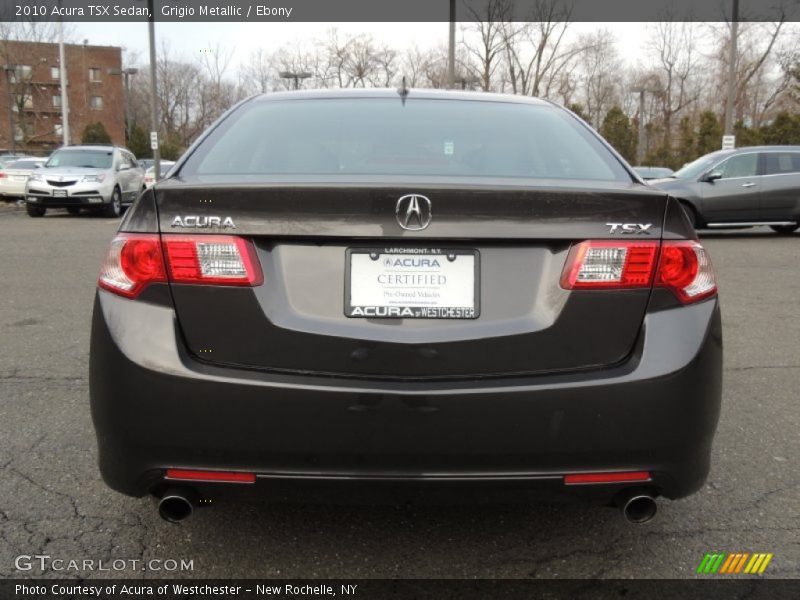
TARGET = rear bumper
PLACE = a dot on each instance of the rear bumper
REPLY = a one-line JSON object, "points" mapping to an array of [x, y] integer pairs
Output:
{"points": [[156, 407]]}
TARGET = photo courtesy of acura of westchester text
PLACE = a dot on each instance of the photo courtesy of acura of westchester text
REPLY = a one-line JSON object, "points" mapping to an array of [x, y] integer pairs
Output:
{"points": [[362, 299]]}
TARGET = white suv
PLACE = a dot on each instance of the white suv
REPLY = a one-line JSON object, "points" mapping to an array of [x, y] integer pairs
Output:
{"points": [[104, 178]]}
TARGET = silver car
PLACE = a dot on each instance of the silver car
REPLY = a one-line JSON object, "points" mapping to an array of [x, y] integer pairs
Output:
{"points": [[14, 175], [102, 178]]}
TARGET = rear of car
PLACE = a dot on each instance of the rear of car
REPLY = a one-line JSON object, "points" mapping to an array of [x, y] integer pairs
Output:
{"points": [[150, 173], [14, 175], [432, 287]]}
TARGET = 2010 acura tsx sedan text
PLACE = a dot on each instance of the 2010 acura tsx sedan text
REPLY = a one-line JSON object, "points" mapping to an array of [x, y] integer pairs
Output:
{"points": [[405, 287]]}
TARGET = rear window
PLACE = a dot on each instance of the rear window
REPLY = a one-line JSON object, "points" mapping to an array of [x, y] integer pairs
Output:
{"points": [[387, 137], [93, 159], [778, 163], [24, 164]]}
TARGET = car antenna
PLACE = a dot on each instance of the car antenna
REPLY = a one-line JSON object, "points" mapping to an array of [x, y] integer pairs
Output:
{"points": [[403, 90]]}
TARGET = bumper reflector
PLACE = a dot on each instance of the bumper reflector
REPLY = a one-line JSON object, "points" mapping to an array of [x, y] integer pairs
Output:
{"points": [[579, 478], [216, 476]]}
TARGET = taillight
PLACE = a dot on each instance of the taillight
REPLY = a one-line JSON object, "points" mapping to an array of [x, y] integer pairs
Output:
{"points": [[2, 175], [212, 259], [133, 262], [682, 266], [610, 265], [136, 260], [685, 269]]}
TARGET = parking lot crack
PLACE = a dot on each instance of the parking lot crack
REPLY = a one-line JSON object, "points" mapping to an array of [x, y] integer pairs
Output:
{"points": [[754, 367]]}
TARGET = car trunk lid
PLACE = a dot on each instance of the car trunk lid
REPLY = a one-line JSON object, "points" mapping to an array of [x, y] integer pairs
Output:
{"points": [[518, 235]]}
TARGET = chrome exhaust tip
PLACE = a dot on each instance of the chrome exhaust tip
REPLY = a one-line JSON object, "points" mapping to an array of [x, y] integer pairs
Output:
{"points": [[639, 507], [176, 505]]}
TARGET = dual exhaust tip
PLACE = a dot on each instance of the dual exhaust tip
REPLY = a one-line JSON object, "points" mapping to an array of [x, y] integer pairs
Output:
{"points": [[178, 504], [637, 506]]}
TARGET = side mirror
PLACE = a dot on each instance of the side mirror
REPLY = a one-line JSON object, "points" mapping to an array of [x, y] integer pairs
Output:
{"points": [[712, 177], [123, 167]]}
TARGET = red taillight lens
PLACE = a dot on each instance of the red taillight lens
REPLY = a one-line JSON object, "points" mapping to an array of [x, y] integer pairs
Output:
{"points": [[685, 269], [596, 264], [136, 260], [213, 259], [221, 476], [2, 175], [133, 262], [578, 478], [681, 266]]}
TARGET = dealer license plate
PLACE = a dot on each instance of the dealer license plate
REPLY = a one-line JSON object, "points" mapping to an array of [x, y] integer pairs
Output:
{"points": [[412, 283]]}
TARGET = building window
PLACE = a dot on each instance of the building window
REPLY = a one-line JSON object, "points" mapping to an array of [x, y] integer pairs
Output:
{"points": [[55, 73], [57, 101], [24, 100], [20, 73], [96, 102], [58, 129], [94, 74], [19, 135]]}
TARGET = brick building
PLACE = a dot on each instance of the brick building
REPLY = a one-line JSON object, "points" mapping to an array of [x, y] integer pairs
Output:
{"points": [[30, 94]]}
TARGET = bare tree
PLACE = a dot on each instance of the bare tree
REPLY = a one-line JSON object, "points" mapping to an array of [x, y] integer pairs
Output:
{"points": [[538, 55], [675, 69], [600, 67], [30, 103], [759, 81], [412, 66], [258, 74], [489, 42]]}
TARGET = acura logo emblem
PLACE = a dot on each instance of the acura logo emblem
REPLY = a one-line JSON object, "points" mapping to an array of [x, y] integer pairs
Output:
{"points": [[413, 212]]}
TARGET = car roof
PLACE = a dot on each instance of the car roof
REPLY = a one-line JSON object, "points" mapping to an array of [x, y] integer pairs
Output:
{"points": [[412, 93], [776, 148], [91, 147]]}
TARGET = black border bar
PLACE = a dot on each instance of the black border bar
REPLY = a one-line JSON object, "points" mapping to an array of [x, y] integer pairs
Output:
{"points": [[708, 588], [128, 11]]}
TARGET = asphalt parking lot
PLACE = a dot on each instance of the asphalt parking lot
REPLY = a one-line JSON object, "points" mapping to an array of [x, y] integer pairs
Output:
{"points": [[53, 502]]}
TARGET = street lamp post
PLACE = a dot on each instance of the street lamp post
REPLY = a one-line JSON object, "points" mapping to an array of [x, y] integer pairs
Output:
{"points": [[296, 76], [642, 139], [731, 91], [62, 80], [151, 34], [11, 133], [126, 74], [451, 47]]}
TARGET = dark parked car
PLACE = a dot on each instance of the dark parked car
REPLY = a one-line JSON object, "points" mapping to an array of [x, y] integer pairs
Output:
{"points": [[648, 173], [758, 185], [413, 287]]}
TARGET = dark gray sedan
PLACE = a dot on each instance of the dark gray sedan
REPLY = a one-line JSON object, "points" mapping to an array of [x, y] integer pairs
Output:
{"points": [[404, 288], [759, 185]]}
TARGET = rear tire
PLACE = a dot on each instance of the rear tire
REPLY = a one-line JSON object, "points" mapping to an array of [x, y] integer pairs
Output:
{"points": [[784, 229], [73, 210], [35, 211], [114, 208]]}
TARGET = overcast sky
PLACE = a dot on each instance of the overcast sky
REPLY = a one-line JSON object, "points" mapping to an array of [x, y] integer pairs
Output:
{"points": [[189, 38]]}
